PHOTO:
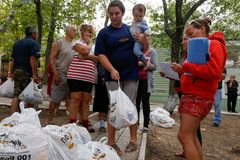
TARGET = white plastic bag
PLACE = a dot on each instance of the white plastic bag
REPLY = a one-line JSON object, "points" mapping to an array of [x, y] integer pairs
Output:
{"points": [[31, 94], [23, 141], [27, 115], [171, 103], [7, 88], [123, 113], [161, 118], [81, 133], [101, 150], [62, 143]]}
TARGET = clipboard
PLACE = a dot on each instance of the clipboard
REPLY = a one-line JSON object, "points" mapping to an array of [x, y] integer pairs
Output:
{"points": [[198, 50]]}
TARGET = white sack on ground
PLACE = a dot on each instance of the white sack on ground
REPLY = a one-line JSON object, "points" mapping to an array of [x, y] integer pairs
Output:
{"points": [[23, 141], [161, 117], [27, 115], [101, 150], [81, 133], [64, 141]]}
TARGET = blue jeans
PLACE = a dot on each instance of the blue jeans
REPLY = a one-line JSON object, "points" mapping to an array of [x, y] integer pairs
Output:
{"points": [[137, 50], [217, 107]]}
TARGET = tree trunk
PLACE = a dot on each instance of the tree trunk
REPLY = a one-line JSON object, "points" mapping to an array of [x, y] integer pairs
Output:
{"points": [[39, 20], [175, 50], [50, 38]]}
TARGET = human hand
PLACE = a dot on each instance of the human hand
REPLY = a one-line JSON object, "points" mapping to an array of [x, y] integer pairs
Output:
{"points": [[56, 79], [141, 64], [176, 67], [35, 78], [115, 74], [138, 36], [162, 74], [10, 75]]}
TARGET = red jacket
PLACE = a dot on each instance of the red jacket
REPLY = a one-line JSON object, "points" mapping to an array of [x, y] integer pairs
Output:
{"points": [[204, 78]]}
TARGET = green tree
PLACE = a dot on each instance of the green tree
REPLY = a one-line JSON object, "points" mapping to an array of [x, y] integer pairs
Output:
{"points": [[173, 20]]}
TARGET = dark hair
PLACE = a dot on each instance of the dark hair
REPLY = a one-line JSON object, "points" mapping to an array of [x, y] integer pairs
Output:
{"points": [[139, 7], [29, 30], [204, 22], [117, 3]]}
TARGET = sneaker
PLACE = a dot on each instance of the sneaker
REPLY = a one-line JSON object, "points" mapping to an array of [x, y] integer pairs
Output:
{"points": [[145, 129], [117, 149], [102, 127], [215, 125]]}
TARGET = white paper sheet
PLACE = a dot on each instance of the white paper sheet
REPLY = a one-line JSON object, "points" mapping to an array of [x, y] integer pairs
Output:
{"points": [[165, 68]]}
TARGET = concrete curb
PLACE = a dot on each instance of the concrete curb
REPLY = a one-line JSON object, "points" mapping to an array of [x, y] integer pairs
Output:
{"points": [[142, 151]]}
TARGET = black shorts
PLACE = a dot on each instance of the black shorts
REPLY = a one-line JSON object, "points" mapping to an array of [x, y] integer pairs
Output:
{"points": [[79, 86]]}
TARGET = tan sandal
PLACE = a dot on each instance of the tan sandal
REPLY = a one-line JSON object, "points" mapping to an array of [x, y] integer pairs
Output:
{"points": [[117, 149], [131, 147]]}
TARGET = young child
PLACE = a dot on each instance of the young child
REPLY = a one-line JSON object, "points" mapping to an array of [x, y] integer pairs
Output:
{"points": [[139, 25]]}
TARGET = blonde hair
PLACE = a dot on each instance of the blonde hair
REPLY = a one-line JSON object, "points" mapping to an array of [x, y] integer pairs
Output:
{"points": [[85, 27], [69, 26]]}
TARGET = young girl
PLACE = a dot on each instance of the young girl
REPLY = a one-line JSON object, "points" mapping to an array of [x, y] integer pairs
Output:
{"points": [[199, 87]]}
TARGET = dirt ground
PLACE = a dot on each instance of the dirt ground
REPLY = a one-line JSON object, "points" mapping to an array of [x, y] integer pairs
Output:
{"points": [[222, 143]]}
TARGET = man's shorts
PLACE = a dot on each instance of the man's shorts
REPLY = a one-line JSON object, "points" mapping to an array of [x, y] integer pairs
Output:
{"points": [[80, 86], [195, 106], [61, 91], [21, 80], [128, 87]]}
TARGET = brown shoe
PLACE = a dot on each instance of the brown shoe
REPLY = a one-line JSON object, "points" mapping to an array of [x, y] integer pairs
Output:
{"points": [[131, 147], [117, 149]]}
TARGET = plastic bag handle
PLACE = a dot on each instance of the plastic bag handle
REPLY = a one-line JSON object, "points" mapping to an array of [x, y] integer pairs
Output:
{"points": [[103, 140], [119, 84]]}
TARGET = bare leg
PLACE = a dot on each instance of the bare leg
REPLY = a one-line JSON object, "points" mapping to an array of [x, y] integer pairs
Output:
{"points": [[14, 105], [52, 107], [133, 133], [85, 106], [74, 102], [188, 138], [111, 133]]}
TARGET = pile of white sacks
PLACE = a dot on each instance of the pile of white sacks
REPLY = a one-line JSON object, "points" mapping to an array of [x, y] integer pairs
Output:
{"points": [[22, 138]]}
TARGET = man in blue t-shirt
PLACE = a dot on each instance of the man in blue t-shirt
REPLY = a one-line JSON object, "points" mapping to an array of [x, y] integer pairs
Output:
{"points": [[23, 67]]}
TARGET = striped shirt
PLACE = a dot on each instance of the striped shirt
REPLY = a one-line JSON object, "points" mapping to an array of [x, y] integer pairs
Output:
{"points": [[79, 69]]}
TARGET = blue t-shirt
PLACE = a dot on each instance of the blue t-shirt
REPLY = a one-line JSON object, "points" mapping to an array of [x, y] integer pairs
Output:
{"points": [[117, 44], [22, 51]]}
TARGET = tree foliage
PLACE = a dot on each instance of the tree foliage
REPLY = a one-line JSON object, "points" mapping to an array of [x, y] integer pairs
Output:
{"points": [[49, 16]]}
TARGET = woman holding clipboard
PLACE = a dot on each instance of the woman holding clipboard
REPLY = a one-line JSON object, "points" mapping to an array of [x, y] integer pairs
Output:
{"points": [[198, 85]]}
